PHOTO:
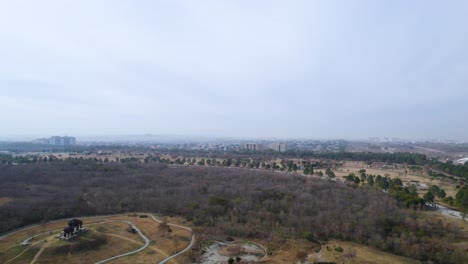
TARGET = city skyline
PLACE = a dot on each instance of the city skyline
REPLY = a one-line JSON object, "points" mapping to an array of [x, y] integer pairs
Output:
{"points": [[181, 138]]}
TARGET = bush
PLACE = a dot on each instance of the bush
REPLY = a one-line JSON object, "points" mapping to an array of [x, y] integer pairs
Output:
{"points": [[308, 236], [339, 249]]}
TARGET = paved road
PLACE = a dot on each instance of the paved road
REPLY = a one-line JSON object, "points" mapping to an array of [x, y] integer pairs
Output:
{"points": [[54, 221], [192, 242], [449, 212], [147, 242]]}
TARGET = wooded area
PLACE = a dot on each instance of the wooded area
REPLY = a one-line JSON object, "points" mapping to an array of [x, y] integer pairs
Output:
{"points": [[237, 201]]}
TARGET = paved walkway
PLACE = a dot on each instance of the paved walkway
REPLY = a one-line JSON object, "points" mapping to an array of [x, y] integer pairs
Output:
{"points": [[147, 241], [192, 241]]}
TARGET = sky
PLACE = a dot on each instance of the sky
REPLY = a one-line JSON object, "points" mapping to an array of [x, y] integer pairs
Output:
{"points": [[287, 69]]}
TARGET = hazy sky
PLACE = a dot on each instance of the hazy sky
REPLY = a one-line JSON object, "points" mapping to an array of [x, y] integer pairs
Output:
{"points": [[315, 69]]}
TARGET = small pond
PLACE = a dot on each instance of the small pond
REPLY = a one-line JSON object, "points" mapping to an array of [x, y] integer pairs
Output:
{"points": [[220, 252]]}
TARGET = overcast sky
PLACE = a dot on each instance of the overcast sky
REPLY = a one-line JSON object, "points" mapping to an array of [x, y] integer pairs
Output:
{"points": [[308, 69]]}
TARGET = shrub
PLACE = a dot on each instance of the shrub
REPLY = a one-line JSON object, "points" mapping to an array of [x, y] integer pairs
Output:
{"points": [[339, 249]]}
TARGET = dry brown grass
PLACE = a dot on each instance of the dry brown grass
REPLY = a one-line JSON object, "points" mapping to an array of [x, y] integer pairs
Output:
{"points": [[353, 167], [286, 251], [461, 240], [86, 248], [103, 246], [113, 239], [5, 200], [358, 254], [161, 246]]}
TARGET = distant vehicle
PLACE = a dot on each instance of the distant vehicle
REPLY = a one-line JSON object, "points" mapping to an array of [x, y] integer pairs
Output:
{"points": [[132, 230]]}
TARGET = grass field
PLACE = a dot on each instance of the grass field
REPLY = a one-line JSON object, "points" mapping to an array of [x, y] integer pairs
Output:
{"points": [[101, 241]]}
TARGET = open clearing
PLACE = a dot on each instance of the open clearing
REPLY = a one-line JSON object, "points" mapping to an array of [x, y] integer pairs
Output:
{"points": [[406, 175], [5, 200], [105, 240], [108, 236], [220, 252], [355, 253], [291, 251]]}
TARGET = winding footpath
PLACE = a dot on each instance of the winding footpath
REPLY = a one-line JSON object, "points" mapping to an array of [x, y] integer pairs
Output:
{"points": [[192, 241], [51, 222], [147, 242], [27, 241]]}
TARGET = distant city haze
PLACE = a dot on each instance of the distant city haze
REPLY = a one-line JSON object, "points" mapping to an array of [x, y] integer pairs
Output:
{"points": [[284, 69]]}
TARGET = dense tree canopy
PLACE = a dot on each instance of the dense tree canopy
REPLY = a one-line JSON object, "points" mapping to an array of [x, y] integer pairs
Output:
{"points": [[239, 202], [461, 199]]}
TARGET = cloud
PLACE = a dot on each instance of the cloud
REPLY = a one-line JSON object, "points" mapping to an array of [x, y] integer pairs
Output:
{"points": [[235, 68]]}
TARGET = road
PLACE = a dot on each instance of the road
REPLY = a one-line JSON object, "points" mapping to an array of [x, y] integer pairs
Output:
{"points": [[27, 241], [50, 222], [449, 212], [192, 241], [147, 241]]}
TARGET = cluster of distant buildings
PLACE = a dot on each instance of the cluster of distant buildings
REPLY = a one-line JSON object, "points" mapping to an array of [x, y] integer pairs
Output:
{"points": [[280, 147], [461, 161], [386, 140], [398, 140], [58, 141]]}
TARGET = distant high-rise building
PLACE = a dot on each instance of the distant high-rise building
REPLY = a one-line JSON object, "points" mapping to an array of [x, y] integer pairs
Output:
{"points": [[253, 146], [281, 147], [42, 141], [62, 141]]}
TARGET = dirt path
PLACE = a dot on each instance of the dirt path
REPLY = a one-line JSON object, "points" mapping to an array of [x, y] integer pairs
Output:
{"points": [[318, 256]]}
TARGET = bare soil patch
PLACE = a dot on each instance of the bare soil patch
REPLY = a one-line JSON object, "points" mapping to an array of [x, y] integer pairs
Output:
{"points": [[5, 200], [356, 254]]}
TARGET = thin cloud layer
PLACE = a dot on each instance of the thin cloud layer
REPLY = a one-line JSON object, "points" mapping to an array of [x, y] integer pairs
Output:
{"points": [[310, 69]]}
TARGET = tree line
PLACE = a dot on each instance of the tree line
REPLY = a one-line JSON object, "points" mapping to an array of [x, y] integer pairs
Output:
{"points": [[241, 202]]}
